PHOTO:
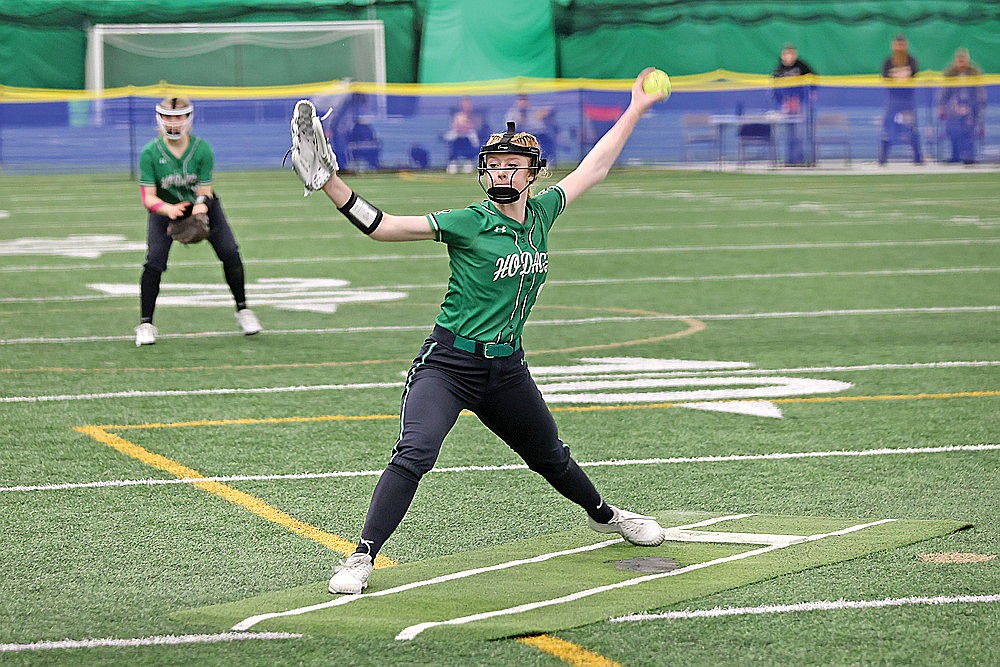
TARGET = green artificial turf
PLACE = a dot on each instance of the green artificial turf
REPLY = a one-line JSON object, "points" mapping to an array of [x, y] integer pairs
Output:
{"points": [[886, 282]]}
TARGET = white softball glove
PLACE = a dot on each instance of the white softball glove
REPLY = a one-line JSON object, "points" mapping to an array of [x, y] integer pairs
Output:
{"points": [[312, 157]]}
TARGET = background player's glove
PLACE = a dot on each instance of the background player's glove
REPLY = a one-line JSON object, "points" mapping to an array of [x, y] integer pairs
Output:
{"points": [[312, 157], [191, 229]]}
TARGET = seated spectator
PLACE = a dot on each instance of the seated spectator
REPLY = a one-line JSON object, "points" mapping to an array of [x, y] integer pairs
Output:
{"points": [[363, 147], [900, 120], [962, 109], [419, 157], [792, 100], [463, 138]]}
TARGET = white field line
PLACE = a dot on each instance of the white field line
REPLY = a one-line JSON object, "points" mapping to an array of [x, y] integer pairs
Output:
{"points": [[680, 177], [248, 623], [198, 392], [547, 379], [368, 259], [941, 310], [248, 221], [414, 630], [823, 605], [160, 640], [592, 281], [724, 458]]}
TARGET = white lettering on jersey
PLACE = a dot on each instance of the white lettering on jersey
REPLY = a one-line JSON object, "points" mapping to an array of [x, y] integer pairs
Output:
{"points": [[173, 180], [521, 263]]}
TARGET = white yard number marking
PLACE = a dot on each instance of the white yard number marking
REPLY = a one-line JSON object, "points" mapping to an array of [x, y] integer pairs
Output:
{"points": [[699, 385], [317, 295]]}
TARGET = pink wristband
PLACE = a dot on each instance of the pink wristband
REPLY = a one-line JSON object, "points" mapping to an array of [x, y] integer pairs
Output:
{"points": [[157, 206]]}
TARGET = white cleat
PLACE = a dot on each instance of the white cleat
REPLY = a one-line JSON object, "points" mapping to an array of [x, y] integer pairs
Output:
{"points": [[351, 576], [248, 322], [145, 334], [642, 531]]}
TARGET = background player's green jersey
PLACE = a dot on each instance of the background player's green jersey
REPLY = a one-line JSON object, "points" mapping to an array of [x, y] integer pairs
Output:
{"points": [[498, 265], [175, 177]]}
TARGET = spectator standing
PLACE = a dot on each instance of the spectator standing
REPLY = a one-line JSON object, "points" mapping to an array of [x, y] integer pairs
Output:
{"points": [[961, 108], [900, 120], [793, 100]]}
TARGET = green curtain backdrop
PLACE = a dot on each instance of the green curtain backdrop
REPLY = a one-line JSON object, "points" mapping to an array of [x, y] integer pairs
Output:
{"points": [[616, 38], [462, 40], [474, 41]]}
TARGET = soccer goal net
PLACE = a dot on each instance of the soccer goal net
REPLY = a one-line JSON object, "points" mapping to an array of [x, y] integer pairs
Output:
{"points": [[234, 54]]}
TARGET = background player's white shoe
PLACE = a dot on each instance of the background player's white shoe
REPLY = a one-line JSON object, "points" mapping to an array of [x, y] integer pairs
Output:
{"points": [[248, 322], [640, 530], [351, 576], [145, 334]]}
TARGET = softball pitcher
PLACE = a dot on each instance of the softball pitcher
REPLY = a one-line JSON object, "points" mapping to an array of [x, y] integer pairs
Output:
{"points": [[473, 359], [175, 182]]}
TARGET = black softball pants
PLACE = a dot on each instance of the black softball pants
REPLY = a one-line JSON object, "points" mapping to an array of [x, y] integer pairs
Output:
{"points": [[158, 244], [441, 383]]}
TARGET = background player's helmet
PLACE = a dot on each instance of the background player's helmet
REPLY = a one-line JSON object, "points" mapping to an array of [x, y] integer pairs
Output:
{"points": [[514, 143], [174, 116]]}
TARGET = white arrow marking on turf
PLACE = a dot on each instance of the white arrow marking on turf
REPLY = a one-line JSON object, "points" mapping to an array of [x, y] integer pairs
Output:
{"points": [[761, 387]]}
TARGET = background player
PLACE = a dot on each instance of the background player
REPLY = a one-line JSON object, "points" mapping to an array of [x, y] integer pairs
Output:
{"points": [[175, 180], [473, 359]]}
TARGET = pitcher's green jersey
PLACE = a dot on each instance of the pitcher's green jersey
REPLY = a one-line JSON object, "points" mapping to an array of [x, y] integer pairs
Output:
{"points": [[176, 178], [498, 265]]}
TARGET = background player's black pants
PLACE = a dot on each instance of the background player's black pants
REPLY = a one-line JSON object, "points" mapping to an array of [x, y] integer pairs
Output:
{"points": [[501, 392], [158, 244]]}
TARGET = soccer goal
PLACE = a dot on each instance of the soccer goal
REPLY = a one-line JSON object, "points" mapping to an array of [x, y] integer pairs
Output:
{"points": [[234, 54]]}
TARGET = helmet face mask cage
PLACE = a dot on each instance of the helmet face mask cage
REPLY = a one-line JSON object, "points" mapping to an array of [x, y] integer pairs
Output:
{"points": [[174, 121], [506, 194]]}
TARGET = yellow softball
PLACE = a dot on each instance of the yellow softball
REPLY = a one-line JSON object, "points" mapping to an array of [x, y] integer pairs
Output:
{"points": [[657, 82]]}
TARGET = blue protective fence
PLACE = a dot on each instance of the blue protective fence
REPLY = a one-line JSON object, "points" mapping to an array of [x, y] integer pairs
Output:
{"points": [[757, 126]]}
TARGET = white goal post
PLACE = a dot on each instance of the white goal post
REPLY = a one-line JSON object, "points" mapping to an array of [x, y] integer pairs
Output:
{"points": [[352, 50]]}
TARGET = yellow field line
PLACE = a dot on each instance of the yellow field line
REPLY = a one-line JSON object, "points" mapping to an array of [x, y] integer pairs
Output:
{"points": [[244, 500], [249, 421], [567, 652]]}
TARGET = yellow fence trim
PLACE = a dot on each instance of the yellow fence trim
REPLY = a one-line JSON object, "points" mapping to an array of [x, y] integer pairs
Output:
{"points": [[689, 83]]}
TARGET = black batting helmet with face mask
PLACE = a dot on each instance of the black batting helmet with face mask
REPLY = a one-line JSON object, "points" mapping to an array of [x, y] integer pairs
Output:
{"points": [[505, 194]]}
